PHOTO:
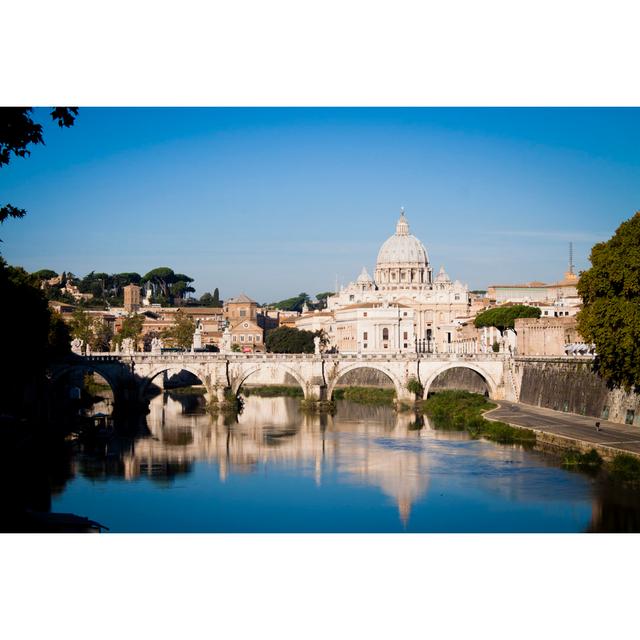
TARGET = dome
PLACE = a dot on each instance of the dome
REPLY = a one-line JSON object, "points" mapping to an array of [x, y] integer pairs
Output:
{"points": [[364, 277], [402, 248], [442, 276]]}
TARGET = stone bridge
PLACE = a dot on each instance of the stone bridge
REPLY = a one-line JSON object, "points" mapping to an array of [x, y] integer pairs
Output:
{"points": [[130, 375]]}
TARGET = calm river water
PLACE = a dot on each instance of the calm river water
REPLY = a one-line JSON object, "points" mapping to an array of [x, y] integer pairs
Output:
{"points": [[365, 469]]}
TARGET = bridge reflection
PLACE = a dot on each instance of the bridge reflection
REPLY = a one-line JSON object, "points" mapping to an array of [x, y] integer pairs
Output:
{"points": [[373, 446]]}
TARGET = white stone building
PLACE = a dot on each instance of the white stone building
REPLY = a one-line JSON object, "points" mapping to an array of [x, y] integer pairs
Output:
{"points": [[404, 283], [373, 328]]}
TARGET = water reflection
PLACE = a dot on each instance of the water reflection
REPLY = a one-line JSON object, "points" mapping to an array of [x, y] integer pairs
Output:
{"points": [[275, 468]]}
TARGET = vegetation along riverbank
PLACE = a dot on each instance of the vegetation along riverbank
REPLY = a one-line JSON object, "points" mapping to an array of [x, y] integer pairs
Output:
{"points": [[462, 411]]}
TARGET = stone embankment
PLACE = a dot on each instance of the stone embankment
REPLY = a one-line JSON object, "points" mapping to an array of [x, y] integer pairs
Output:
{"points": [[570, 385], [558, 431]]}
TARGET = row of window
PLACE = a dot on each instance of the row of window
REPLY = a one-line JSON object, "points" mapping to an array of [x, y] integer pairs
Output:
{"points": [[385, 335], [241, 338]]}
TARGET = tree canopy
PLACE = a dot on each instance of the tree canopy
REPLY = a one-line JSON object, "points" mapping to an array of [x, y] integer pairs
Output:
{"points": [[32, 335], [209, 300], [131, 328], [292, 304], [290, 340], [322, 299], [610, 316], [180, 333], [504, 317]]}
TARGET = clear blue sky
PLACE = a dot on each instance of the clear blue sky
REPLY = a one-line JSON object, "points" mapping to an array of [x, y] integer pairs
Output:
{"points": [[272, 202]]}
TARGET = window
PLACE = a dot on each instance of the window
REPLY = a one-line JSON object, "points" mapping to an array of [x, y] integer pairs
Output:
{"points": [[250, 338], [257, 338], [234, 338], [364, 315], [242, 338], [385, 334], [364, 346], [365, 335], [386, 346], [405, 335], [405, 314], [243, 313], [405, 345], [351, 298]]}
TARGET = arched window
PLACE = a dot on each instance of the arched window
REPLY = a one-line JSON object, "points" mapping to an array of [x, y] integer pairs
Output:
{"points": [[385, 334]]}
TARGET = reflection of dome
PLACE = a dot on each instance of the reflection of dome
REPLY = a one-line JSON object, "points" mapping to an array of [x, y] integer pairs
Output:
{"points": [[402, 248]]}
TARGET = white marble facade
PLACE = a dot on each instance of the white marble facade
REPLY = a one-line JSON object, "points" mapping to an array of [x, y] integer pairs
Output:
{"points": [[404, 298]]}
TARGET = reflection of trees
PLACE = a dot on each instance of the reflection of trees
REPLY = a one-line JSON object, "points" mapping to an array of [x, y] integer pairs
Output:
{"points": [[615, 510]]}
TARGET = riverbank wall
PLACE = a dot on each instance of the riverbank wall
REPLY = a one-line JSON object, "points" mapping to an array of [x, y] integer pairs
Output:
{"points": [[570, 385]]}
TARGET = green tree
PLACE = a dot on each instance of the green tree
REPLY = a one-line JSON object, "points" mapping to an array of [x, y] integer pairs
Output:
{"points": [[180, 333], [504, 317], [17, 132], [610, 315], [322, 299], [102, 334], [44, 274], [160, 279], [292, 304], [82, 326], [32, 335], [290, 340], [131, 328], [216, 298]]}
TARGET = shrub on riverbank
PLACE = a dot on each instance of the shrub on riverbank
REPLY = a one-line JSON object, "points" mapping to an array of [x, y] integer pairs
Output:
{"points": [[270, 391], [366, 395], [625, 467], [590, 461], [461, 410]]}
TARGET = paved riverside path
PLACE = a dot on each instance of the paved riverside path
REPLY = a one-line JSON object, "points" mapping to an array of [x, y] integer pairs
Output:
{"points": [[612, 435]]}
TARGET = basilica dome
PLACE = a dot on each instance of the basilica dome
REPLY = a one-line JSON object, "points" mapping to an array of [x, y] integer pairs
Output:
{"points": [[402, 248], [402, 260]]}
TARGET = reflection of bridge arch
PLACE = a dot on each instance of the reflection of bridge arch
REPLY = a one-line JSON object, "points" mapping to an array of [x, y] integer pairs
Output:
{"points": [[485, 375], [342, 371], [245, 373]]}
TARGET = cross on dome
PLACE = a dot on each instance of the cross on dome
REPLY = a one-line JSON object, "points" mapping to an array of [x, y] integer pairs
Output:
{"points": [[402, 227]]}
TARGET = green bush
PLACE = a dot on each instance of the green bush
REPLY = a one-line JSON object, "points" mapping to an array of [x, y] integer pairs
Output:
{"points": [[625, 467], [414, 386], [366, 395], [270, 391], [462, 411], [582, 461]]}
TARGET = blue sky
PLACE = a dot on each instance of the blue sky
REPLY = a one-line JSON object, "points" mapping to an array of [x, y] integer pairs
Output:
{"points": [[272, 202]]}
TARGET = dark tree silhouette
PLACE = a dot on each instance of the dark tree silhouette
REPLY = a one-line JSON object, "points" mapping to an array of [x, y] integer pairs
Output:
{"points": [[17, 132]]}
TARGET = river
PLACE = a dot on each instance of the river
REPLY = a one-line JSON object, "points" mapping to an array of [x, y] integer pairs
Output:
{"points": [[274, 468]]}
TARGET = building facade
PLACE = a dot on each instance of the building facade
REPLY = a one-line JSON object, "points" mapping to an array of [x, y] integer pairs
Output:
{"points": [[403, 283]]}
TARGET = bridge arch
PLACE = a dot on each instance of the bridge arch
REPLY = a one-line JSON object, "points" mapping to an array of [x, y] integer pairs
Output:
{"points": [[341, 371], [248, 371], [85, 368], [157, 370], [485, 375]]}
